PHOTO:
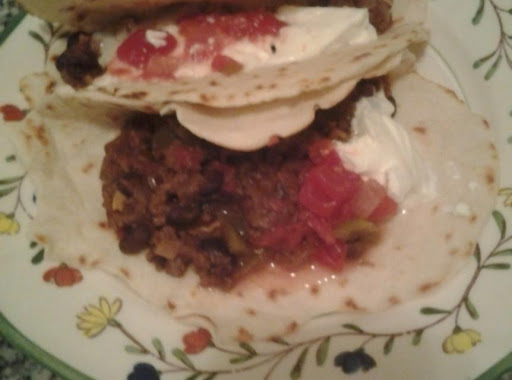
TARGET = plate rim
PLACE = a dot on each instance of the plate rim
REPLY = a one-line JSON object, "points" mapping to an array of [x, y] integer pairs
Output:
{"points": [[17, 339]]}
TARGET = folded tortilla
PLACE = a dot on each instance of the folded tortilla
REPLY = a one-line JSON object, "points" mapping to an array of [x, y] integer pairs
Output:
{"points": [[94, 15], [64, 157], [223, 109]]}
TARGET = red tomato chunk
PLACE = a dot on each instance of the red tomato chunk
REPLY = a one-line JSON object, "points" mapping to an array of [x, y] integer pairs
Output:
{"points": [[332, 194], [205, 37], [136, 50]]}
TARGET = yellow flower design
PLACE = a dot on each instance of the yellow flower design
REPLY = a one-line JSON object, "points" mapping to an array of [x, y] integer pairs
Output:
{"points": [[8, 225], [461, 341], [507, 193], [94, 319]]}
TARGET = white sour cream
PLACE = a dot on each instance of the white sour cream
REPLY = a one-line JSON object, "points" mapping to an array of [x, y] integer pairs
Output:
{"points": [[309, 31], [381, 149]]}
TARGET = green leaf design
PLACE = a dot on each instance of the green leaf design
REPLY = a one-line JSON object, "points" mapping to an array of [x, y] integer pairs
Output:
{"points": [[433, 310], [500, 222], [296, 371], [477, 254], [388, 346], [50, 27], [131, 349], [211, 376], [8, 181], [247, 347], [504, 252], [33, 244], [481, 61], [471, 309], [36, 36], [183, 357], [351, 326], [7, 191], [479, 13], [416, 339], [322, 351], [240, 359], [157, 343], [493, 68], [38, 257], [498, 266], [10, 158], [194, 376], [510, 11]]}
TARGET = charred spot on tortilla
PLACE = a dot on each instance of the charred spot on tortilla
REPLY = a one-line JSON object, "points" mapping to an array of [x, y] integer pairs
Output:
{"points": [[420, 130], [314, 289], [428, 286], [350, 303], [125, 272], [393, 300], [490, 178], [87, 167], [244, 335], [82, 259], [39, 131], [171, 305]]}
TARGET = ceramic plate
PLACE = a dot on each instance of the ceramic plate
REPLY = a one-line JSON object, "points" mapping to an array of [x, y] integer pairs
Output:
{"points": [[88, 325]]}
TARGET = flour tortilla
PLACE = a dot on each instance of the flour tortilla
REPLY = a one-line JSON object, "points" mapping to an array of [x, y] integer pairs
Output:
{"points": [[95, 15], [230, 106], [63, 157], [340, 62]]}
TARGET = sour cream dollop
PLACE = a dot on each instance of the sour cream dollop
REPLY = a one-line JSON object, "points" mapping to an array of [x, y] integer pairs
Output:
{"points": [[381, 149]]}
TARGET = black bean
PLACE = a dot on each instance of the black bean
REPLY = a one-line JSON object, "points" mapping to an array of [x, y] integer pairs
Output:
{"points": [[183, 214], [213, 182], [135, 238], [162, 138]]}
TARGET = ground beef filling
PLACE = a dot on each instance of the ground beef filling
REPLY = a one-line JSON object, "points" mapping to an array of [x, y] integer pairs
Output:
{"points": [[194, 205], [79, 63]]}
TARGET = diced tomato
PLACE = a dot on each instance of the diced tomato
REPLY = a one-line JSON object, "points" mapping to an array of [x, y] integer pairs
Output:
{"points": [[161, 66], [332, 256], [225, 65], [369, 196], [322, 229], [284, 237], [386, 208], [326, 187], [232, 25], [250, 24], [136, 50]]}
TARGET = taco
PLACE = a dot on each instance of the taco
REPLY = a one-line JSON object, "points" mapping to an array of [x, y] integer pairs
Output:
{"points": [[284, 60], [65, 158]]}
